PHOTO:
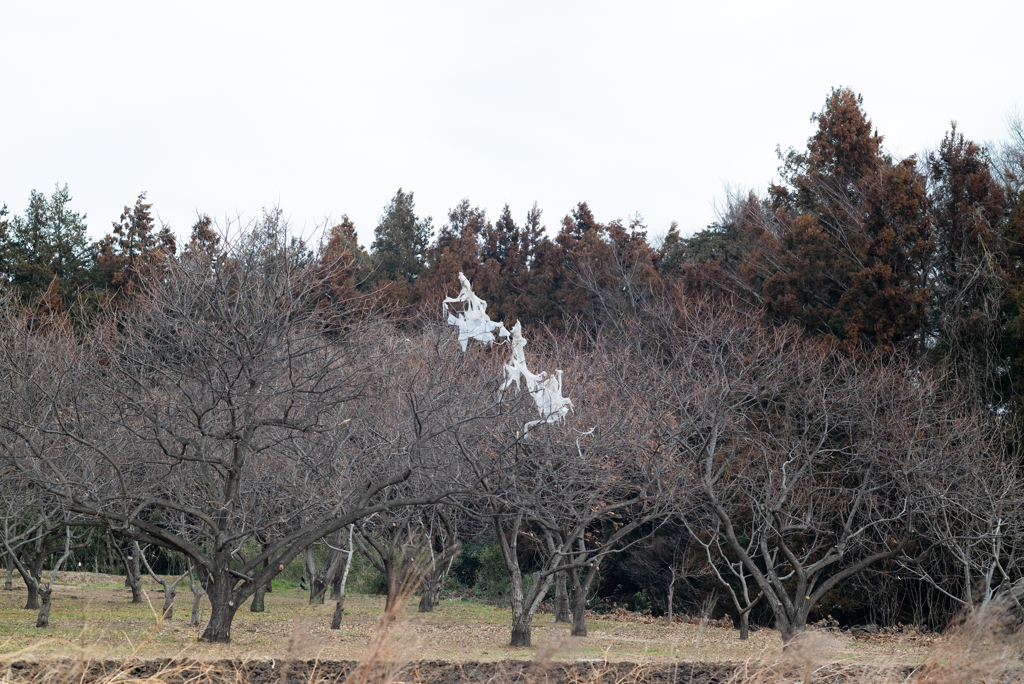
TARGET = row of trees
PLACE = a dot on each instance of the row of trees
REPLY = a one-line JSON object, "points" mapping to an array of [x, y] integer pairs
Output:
{"points": [[917, 255], [818, 385], [237, 413]]}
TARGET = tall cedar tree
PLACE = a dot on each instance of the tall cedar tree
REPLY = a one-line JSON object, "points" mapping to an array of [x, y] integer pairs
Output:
{"points": [[46, 253], [133, 248], [598, 271], [969, 207], [526, 272], [455, 249], [842, 246], [340, 268], [503, 267], [204, 240], [1012, 340], [6, 247], [556, 292], [400, 241], [707, 261]]}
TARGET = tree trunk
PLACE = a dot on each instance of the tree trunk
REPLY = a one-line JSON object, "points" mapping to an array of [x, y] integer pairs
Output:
{"points": [[317, 589], [521, 616], [310, 562], [9, 580], [339, 612], [267, 588], [257, 605], [170, 589], [45, 593], [392, 584], [521, 630], [562, 612], [428, 597], [136, 585], [32, 601], [339, 583], [671, 592], [169, 595], [197, 594], [579, 613], [523, 607], [789, 628], [744, 625], [329, 572], [222, 611], [133, 572], [197, 597]]}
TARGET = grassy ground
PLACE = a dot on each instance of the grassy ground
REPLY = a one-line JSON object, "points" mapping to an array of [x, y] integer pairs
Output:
{"points": [[94, 613]]}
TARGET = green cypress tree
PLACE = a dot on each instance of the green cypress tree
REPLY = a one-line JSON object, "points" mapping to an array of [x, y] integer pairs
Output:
{"points": [[400, 240], [48, 242]]}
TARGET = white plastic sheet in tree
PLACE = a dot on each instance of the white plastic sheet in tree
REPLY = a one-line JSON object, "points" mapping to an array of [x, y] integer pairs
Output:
{"points": [[551, 405], [516, 366], [474, 324], [473, 321]]}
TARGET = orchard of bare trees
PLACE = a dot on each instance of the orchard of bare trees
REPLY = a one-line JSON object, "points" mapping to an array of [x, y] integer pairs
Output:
{"points": [[808, 409]]}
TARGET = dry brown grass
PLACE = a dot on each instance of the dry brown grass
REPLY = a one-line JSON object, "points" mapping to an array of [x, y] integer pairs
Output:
{"points": [[98, 637], [99, 618]]}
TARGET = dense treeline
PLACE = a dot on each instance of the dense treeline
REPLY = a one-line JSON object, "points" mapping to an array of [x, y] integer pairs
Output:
{"points": [[809, 402], [915, 255]]}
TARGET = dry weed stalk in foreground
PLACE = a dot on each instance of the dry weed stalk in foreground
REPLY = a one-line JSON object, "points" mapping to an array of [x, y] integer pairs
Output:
{"points": [[384, 659], [801, 661], [84, 668], [983, 648]]}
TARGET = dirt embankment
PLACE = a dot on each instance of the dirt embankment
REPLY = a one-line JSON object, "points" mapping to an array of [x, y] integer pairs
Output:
{"points": [[425, 672]]}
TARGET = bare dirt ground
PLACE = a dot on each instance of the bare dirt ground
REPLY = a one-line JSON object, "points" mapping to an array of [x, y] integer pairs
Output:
{"points": [[97, 635]]}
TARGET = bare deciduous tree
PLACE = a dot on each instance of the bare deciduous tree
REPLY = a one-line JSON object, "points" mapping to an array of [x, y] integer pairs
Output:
{"points": [[392, 544], [442, 545], [735, 571], [167, 612], [197, 594], [222, 396], [578, 490], [669, 566], [973, 524], [33, 527], [320, 579], [818, 456], [338, 591], [132, 561]]}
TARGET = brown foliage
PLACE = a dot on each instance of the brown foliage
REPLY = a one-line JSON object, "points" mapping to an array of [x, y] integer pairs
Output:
{"points": [[844, 247]]}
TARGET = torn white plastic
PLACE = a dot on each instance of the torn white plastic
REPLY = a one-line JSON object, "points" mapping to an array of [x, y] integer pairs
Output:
{"points": [[551, 405], [474, 324], [473, 321], [516, 366]]}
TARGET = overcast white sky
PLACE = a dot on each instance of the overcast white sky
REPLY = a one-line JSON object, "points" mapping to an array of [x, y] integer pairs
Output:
{"points": [[327, 108]]}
